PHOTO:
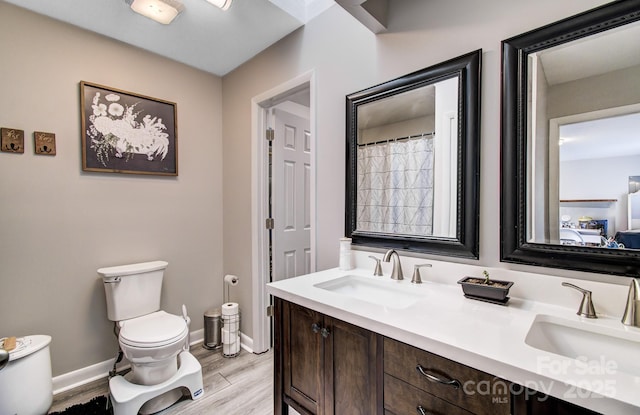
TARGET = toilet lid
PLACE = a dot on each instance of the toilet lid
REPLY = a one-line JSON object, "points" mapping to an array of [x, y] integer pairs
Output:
{"points": [[153, 330]]}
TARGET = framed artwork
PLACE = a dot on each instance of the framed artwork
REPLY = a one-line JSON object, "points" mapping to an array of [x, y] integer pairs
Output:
{"points": [[12, 140], [44, 143], [123, 132]]}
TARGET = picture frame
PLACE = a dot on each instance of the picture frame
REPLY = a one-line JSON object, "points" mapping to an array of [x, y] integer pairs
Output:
{"points": [[125, 132]]}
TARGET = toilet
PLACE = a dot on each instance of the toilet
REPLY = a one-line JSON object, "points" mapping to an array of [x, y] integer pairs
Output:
{"points": [[155, 342]]}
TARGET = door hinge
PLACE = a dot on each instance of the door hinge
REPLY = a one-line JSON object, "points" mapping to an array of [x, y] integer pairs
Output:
{"points": [[270, 134], [270, 223], [270, 311]]}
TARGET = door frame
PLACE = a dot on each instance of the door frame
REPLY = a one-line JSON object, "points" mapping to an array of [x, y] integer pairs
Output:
{"points": [[260, 104]]}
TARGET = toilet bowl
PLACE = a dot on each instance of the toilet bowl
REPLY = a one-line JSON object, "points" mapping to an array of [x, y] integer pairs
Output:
{"points": [[151, 344], [155, 342], [26, 386]]}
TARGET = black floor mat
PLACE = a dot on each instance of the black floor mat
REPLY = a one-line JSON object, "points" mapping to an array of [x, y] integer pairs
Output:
{"points": [[96, 406]]}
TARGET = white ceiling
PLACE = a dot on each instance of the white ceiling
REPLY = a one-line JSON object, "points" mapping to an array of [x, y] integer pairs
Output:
{"points": [[202, 36], [420, 102], [611, 50], [593, 55], [601, 138]]}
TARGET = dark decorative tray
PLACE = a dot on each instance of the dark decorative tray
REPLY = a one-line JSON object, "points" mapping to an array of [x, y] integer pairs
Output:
{"points": [[496, 290]]}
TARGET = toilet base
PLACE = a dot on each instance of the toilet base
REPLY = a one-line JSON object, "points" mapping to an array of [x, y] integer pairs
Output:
{"points": [[128, 398], [161, 402]]}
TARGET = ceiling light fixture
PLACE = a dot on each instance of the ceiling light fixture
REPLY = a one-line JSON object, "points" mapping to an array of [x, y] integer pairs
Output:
{"points": [[162, 11], [223, 4]]}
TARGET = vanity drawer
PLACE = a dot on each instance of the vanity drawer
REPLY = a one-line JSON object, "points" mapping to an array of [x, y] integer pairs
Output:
{"points": [[468, 388], [401, 398]]}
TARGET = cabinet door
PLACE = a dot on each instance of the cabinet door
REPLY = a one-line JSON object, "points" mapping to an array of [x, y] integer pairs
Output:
{"points": [[303, 360], [353, 369], [529, 402]]}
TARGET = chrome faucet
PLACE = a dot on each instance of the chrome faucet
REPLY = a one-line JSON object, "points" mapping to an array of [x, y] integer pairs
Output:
{"points": [[586, 306], [396, 271], [631, 316]]}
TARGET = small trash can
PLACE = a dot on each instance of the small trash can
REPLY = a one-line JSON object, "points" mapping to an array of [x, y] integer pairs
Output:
{"points": [[25, 381], [212, 329]]}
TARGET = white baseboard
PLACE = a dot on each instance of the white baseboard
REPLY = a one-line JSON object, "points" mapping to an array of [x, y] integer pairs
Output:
{"points": [[70, 380], [196, 336], [246, 342]]}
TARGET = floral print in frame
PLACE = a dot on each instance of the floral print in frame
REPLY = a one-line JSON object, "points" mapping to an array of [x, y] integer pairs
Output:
{"points": [[124, 132]]}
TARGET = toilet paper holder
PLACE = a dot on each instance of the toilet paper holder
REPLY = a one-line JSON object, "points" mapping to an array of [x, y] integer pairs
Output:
{"points": [[230, 330], [229, 280]]}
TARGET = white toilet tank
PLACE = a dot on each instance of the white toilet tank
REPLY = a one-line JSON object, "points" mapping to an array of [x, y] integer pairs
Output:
{"points": [[133, 290]]}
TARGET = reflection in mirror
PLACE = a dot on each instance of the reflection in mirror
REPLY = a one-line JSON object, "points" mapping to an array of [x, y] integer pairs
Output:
{"points": [[570, 144], [413, 161], [592, 147], [401, 189]]}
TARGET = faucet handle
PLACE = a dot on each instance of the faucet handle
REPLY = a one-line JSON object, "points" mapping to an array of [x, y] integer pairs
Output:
{"points": [[631, 316], [378, 270], [586, 305], [416, 273]]}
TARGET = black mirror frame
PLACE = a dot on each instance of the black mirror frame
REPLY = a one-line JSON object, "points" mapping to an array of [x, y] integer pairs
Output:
{"points": [[514, 247], [465, 244]]}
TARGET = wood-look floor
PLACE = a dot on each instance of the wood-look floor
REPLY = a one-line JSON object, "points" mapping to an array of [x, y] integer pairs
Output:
{"points": [[239, 385]]}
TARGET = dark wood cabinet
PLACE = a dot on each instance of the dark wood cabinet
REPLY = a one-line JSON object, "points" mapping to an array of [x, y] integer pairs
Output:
{"points": [[529, 402], [303, 357], [325, 366], [401, 398], [439, 385]]}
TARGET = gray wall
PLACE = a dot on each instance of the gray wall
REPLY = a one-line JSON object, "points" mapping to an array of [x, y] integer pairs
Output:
{"points": [[613, 89], [58, 224], [346, 57]]}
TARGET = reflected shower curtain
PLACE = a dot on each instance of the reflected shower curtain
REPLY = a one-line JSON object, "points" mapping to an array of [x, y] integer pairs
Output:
{"points": [[395, 187]]}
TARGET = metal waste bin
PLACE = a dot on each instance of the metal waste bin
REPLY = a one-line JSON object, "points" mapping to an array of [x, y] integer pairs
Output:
{"points": [[212, 329]]}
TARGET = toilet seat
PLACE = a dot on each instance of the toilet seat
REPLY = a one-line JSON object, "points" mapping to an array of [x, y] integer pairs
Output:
{"points": [[153, 330]]}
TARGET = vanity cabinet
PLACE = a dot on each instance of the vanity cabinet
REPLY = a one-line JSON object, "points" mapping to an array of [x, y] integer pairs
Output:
{"points": [[325, 366], [416, 381], [529, 402]]}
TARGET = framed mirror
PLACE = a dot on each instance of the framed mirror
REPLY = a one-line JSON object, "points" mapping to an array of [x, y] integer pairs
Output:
{"points": [[413, 152], [571, 145]]}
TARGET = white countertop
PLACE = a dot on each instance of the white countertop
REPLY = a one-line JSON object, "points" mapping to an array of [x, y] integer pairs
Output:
{"points": [[484, 336]]}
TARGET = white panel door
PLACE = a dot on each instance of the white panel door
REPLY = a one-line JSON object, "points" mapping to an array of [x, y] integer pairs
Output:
{"points": [[291, 196]]}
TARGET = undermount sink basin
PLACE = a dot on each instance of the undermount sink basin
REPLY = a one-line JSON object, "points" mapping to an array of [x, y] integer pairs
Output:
{"points": [[387, 293], [598, 347]]}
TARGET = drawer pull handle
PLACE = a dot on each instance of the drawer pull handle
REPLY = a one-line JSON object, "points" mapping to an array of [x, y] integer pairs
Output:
{"points": [[325, 332], [421, 410], [315, 327], [435, 379]]}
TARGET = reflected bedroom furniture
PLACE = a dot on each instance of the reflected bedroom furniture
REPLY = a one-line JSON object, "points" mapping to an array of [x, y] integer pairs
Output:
{"points": [[630, 239], [569, 236], [590, 236], [633, 218]]}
